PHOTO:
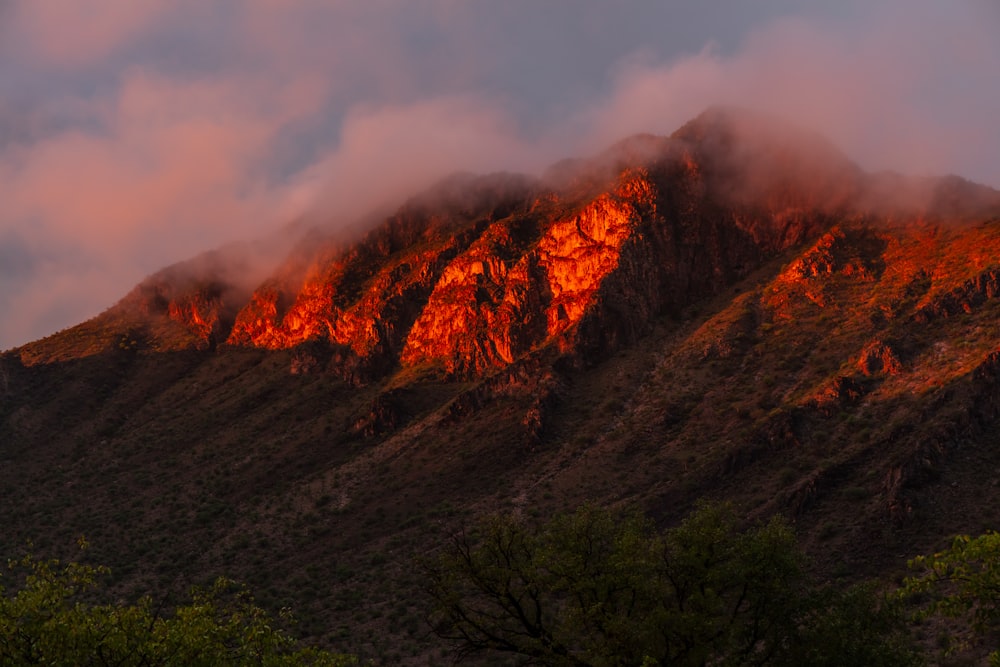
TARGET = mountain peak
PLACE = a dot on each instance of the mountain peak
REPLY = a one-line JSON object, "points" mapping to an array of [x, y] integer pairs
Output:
{"points": [[479, 271], [729, 312]]}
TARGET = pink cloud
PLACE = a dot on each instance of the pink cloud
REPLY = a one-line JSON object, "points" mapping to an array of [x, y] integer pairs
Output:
{"points": [[169, 155], [903, 92], [174, 169], [74, 33], [339, 107], [388, 153]]}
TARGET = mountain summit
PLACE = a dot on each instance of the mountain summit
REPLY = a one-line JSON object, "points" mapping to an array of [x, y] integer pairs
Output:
{"points": [[480, 271], [735, 311]]}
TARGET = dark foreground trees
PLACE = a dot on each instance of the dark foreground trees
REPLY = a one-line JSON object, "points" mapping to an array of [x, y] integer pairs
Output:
{"points": [[50, 619], [589, 588], [596, 588]]}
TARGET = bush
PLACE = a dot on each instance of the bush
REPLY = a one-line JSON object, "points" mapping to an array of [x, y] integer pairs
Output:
{"points": [[52, 619]]}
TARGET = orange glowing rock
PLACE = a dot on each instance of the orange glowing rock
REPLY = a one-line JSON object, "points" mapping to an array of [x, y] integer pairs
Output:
{"points": [[479, 272], [484, 312]]}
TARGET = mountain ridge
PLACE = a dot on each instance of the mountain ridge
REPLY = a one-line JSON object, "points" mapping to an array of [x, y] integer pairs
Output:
{"points": [[768, 178], [640, 328]]}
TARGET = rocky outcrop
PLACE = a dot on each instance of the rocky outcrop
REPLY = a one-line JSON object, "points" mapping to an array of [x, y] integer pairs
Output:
{"points": [[485, 309], [386, 413], [508, 295], [971, 294], [366, 296], [583, 263], [181, 312], [967, 414], [527, 378], [480, 271], [878, 357], [847, 251], [323, 308], [843, 391]]}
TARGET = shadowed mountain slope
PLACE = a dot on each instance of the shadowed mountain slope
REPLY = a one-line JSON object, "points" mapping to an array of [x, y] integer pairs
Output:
{"points": [[736, 311]]}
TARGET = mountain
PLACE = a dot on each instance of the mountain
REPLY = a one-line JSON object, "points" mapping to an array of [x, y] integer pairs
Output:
{"points": [[736, 311]]}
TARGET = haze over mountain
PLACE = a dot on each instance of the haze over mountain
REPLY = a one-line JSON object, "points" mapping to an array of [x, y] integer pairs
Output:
{"points": [[736, 311], [134, 135]]}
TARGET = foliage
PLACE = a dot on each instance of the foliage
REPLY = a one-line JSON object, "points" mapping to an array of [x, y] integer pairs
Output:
{"points": [[51, 619], [963, 581], [857, 626], [595, 588]]}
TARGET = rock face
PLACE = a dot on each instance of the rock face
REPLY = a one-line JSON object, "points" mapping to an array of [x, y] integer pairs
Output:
{"points": [[963, 299], [879, 357], [480, 271], [366, 297], [733, 312], [474, 275], [522, 284]]}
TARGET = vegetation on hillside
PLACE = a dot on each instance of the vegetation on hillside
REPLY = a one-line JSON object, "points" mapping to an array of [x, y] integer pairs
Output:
{"points": [[872, 431], [594, 588], [53, 617], [962, 582]]}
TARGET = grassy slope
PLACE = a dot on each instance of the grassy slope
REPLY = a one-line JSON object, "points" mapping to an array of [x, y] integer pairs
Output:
{"points": [[185, 465]]}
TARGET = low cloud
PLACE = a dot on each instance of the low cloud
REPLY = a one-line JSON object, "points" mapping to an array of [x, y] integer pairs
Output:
{"points": [[70, 34], [161, 171], [387, 154], [147, 135], [911, 89]]}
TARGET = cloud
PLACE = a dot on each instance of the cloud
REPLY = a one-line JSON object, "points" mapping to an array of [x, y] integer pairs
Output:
{"points": [[171, 168], [137, 134], [74, 33], [167, 157], [389, 153], [910, 90]]}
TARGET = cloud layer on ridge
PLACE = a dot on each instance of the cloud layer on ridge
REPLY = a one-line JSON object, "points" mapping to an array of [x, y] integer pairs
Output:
{"points": [[143, 132]]}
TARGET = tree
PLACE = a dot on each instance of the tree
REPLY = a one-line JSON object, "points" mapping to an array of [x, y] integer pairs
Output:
{"points": [[596, 588], [857, 626], [52, 619], [962, 581], [506, 591]]}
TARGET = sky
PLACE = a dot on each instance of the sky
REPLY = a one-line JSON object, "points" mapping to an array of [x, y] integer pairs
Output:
{"points": [[139, 133]]}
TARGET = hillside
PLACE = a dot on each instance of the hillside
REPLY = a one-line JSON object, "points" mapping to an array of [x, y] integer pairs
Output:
{"points": [[735, 311]]}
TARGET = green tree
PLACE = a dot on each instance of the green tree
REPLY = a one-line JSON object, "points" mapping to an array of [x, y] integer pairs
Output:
{"points": [[856, 626], [51, 618], [962, 582], [596, 588]]}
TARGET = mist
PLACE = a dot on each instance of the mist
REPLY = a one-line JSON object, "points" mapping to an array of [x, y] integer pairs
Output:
{"points": [[148, 132]]}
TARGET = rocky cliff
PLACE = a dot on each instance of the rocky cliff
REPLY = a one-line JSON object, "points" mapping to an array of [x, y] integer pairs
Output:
{"points": [[480, 271], [735, 311]]}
